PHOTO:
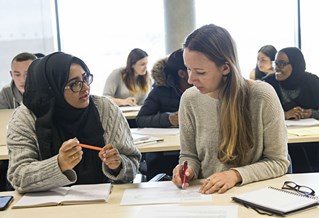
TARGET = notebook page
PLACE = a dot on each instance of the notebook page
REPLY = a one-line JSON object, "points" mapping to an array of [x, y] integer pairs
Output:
{"points": [[277, 199], [88, 193], [36, 199]]}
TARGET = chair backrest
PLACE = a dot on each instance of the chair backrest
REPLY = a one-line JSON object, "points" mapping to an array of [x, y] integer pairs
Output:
{"points": [[290, 165]]}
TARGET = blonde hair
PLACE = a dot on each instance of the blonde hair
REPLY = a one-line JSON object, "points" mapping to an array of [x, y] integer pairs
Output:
{"points": [[235, 124]]}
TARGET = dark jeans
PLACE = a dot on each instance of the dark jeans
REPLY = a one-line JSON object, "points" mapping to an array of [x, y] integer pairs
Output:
{"points": [[304, 156]]}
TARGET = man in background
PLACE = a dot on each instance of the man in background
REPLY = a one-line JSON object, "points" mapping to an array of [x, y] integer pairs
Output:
{"points": [[11, 95]]}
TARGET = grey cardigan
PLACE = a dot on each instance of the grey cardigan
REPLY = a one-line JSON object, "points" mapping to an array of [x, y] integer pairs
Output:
{"points": [[28, 172]]}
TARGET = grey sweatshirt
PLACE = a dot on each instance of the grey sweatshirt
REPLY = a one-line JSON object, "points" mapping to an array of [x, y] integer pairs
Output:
{"points": [[199, 132]]}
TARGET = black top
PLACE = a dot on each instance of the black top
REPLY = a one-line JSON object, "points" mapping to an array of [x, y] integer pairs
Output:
{"points": [[165, 96], [301, 82]]}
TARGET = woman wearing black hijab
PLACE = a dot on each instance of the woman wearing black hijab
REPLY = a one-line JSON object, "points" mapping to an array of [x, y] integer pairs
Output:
{"points": [[298, 93], [297, 89], [58, 114]]}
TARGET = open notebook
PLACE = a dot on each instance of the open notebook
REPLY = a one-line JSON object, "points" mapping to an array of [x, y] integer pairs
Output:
{"points": [[77, 194], [275, 201]]}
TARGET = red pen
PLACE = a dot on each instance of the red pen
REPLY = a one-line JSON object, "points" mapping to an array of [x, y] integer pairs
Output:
{"points": [[184, 174]]}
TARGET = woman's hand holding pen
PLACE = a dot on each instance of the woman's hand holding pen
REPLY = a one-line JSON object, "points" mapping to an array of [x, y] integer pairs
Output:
{"points": [[178, 174], [69, 155], [220, 182], [111, 157]]}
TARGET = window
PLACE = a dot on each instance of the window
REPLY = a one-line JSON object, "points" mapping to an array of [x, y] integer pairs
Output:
{"points": [[102, 33], [309, 36], [252, 24]]}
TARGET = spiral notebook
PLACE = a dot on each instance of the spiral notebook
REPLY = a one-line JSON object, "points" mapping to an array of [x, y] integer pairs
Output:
{"points": [[276, 201]]}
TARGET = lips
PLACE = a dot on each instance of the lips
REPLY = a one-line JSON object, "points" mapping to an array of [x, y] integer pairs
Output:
{"points": [[85, 96]]}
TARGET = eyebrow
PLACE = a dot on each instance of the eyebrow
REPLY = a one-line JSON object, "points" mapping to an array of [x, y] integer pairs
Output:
{"points": [[75, 78]]}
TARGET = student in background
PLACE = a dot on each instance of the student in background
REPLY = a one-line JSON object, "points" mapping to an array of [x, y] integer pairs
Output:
{"points": [[265, 57], [160, 109], [297, 89], [57, 114], [11, 95], [298, 93], [129, 85], [227, 134]]}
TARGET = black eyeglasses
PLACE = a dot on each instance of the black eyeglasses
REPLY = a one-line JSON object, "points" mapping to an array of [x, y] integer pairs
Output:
{"points": [[281, 64], [77, 86], [298, 188]]}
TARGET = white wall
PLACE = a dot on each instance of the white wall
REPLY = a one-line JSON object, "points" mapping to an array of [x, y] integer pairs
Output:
{"points": [[26, 26]]}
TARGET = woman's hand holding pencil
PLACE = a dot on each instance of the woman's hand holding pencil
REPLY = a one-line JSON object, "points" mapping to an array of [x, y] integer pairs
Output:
{"points": [[111, 157], [69, 154]]}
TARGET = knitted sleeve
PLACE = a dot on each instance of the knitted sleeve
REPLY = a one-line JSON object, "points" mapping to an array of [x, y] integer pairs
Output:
{"points": [[117, 133], [27, 172]]}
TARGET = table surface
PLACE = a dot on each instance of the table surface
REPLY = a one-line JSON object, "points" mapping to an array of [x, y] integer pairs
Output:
{"points": [[170, 143], [113, 208]]}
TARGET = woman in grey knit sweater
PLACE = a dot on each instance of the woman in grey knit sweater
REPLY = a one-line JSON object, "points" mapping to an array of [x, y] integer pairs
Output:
{"points": [[232, 130], [58, 114]]}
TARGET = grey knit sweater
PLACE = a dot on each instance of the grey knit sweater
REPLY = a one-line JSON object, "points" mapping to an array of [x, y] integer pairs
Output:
{"points": [[28, 172], [199, 132]]}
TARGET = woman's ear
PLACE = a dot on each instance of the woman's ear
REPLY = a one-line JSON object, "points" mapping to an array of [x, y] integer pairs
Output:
{"points": [[225, 69]]}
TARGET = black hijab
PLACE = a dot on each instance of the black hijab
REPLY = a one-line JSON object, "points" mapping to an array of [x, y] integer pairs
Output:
{"points": [[298, 64], [306, 83], [58, 121]]}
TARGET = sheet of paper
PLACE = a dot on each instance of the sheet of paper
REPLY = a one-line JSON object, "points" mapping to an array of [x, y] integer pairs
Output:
{"points": [[130, 108], [163, 195], [156, 131], [306, 131], [188, 211], [302, 122]]}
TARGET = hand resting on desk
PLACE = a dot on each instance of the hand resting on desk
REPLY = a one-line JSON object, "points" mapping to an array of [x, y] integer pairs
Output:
{"points": [[217, 182]]}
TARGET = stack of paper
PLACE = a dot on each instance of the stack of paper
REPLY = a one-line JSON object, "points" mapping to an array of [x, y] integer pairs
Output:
{"points": [[130, 108], [155, 131], [142, 139], [302, 122], [307, 131]]}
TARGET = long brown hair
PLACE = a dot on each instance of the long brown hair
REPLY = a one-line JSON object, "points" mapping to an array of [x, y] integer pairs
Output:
{"points": [[235, 124], [141, 83]]}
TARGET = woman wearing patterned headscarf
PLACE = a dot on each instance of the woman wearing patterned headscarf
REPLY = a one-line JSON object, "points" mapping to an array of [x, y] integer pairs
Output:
{"points": [[58, 114], [297, 89]]}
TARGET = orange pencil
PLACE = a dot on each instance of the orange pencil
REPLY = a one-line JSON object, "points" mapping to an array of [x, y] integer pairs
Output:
{"points": [[90, 147]]}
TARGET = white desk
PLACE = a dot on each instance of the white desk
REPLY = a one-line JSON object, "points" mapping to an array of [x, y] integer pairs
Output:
{"points": [[5, 116], [172, 143], [112, 209], [130, 112]]}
